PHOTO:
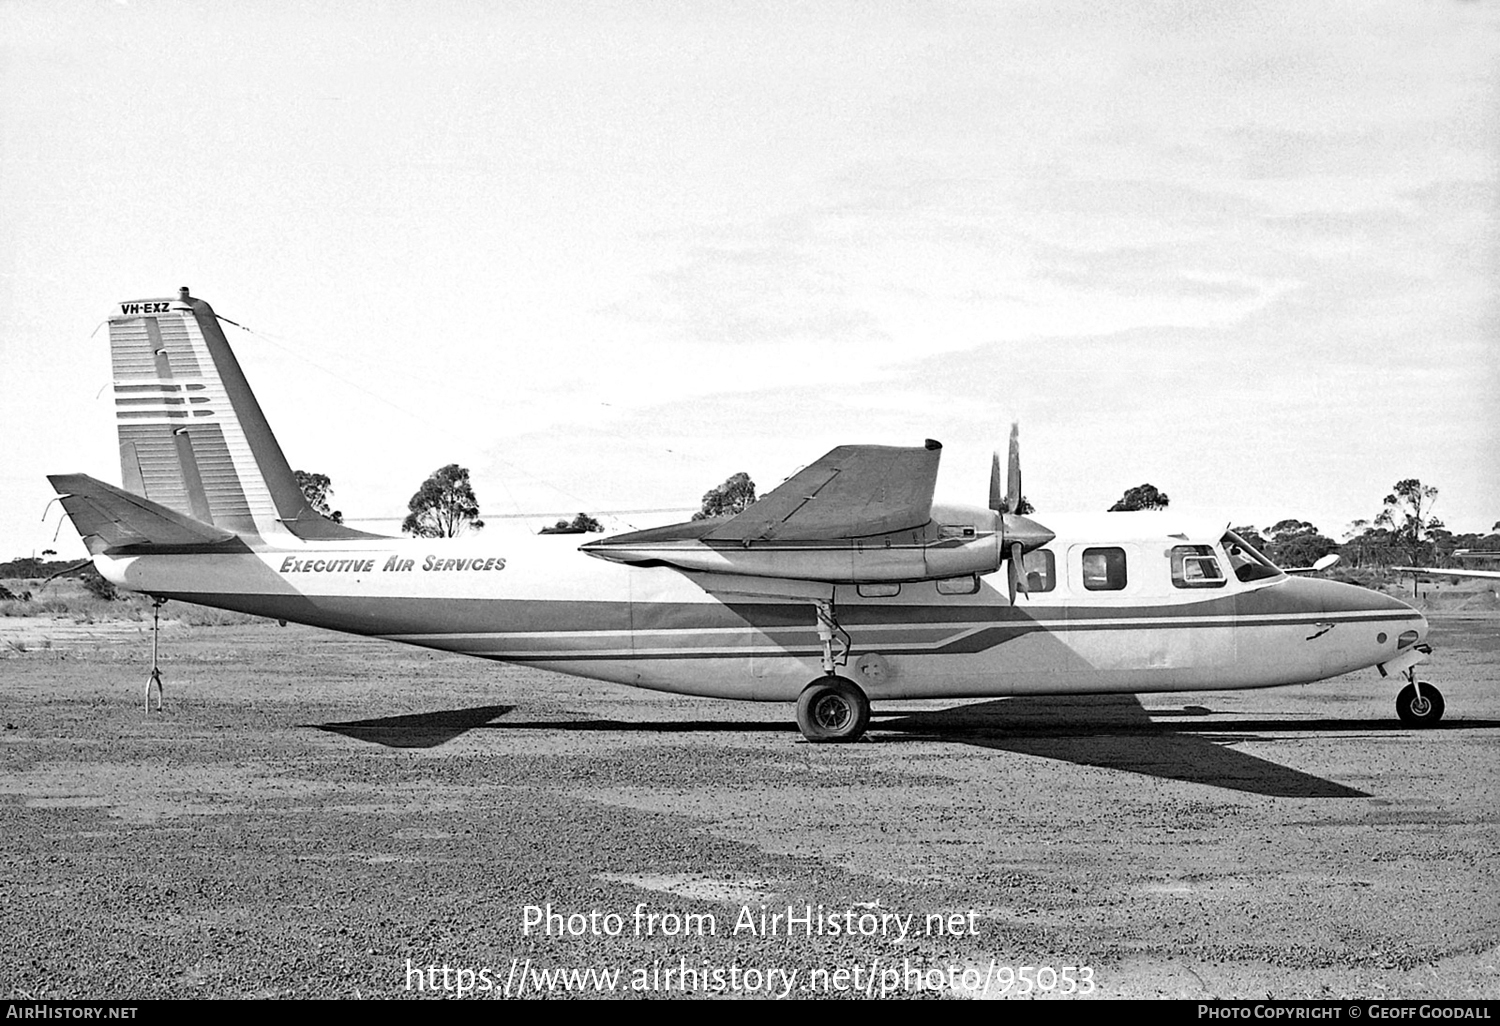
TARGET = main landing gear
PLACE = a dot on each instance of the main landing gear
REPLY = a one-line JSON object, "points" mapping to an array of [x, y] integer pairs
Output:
{"points": [[832, 708]]}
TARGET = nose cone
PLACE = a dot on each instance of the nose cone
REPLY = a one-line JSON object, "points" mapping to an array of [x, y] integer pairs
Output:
{"points": [[1029, 533]]}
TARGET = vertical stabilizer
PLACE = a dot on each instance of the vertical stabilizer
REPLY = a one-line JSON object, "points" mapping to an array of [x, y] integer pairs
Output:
{"points": [[192, 436]]}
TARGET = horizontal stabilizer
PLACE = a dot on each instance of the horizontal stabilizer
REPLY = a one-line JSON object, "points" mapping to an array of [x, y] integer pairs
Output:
{"points": [[111, 518]]}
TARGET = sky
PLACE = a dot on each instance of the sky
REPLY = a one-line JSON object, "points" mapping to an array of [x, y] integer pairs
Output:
{"points": [[606, 255]]}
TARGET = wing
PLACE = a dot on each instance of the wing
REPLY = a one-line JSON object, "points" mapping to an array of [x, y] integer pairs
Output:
{"points": [[1444, 571], [854, 491]]}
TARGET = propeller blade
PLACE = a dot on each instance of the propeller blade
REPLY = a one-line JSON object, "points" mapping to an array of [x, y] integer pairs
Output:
{"points": [[1013, 478], [1017, 534]]}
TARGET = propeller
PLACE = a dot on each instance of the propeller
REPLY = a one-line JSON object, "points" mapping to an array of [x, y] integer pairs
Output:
{"points": [[1018, 534]]}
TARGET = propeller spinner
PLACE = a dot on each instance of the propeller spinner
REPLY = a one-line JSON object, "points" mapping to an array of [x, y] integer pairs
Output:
{"points": [[1018, 534]]}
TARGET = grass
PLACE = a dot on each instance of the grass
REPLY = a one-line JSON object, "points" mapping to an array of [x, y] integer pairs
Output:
{"points": [[67, 598]]}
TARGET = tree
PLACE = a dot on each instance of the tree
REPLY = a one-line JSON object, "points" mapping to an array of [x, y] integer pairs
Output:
{"points": [[735, 495], [1140, 497], [1252, 537], [581, 524], [1023, 506], [1408, 515], [1296, 543], [1377, 547], [318, 489], [444, 507], [1357, 542]]}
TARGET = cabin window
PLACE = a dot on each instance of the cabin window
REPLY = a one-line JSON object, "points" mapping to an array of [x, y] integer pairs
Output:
{"points": [[1040, 568], [1195, 566], [1104, 569], [879, 590], [958, 585]]}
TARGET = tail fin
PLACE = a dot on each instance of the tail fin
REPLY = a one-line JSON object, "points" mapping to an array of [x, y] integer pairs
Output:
{"points": [[192, 437]]}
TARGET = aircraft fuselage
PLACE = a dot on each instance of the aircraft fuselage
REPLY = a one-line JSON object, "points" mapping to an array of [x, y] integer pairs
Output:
{"points": [[537, 601]]}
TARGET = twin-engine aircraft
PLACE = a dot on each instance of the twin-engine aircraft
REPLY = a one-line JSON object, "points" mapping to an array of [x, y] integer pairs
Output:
{"points": [[843, 586]]}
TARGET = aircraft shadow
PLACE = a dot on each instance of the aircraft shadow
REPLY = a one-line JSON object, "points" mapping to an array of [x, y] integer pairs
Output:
{"points": [[417, 730], [1116, 732], [1107, 731]]}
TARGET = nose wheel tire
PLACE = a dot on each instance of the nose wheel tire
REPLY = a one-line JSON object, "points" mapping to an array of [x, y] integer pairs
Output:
{"points": [[833, 709], [1419, 710]]}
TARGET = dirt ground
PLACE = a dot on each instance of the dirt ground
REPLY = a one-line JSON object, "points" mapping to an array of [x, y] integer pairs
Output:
{"points": [[315, 815]]}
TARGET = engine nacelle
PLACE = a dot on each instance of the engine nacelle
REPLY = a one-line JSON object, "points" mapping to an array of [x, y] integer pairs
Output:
{"points": [[956, 543]]}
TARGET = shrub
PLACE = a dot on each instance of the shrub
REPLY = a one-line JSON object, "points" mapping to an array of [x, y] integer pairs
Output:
{"points": [[97, 586]]}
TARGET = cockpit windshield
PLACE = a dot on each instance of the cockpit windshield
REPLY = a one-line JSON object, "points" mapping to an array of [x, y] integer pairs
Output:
{"points": [[1248, 564]]}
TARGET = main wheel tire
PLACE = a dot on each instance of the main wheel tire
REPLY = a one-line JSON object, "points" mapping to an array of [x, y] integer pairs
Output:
{"points": [[833, 709], [1419, 710]]}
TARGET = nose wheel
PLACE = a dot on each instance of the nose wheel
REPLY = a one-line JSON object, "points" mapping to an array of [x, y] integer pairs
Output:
{"points": [[833, 709], [1419, 704]]}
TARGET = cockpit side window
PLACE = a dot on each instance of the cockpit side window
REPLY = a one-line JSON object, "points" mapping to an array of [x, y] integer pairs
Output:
{"points": [[1247, 564], [1196, 566]]}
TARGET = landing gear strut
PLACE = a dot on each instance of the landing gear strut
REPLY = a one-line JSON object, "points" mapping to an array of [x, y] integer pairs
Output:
{"points": [[832, 708], [1419, 704], [829, 631], [155, 679]]}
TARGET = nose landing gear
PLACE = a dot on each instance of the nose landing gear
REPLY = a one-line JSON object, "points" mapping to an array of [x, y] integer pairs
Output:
{"points": [[1419, 704]]}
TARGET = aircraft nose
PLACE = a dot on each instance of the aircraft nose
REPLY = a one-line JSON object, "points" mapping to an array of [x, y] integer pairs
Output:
{"points": [[1321, 596], [1337, 597]]}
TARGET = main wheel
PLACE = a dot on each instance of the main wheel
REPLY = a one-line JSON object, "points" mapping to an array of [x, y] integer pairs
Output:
{"points": [[833, 709], [1419, 710]]}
